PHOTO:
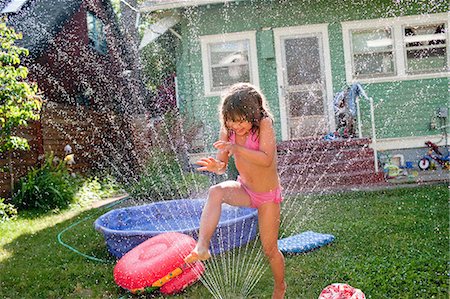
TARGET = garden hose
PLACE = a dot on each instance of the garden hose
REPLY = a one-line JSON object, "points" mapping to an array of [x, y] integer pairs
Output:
{"points": [[93, 258]]}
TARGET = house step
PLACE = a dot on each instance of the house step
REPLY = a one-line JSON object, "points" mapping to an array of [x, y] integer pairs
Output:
{"points": [[300, 145], [333, 166], [308, 157], [349, 178], [327, 182], [316, 165]]}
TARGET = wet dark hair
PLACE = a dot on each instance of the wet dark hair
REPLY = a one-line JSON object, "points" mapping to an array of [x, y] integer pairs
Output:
{"points": [[243, 102]]}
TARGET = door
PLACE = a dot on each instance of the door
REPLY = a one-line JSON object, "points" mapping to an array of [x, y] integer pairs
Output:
{"points": [[304, 81]]}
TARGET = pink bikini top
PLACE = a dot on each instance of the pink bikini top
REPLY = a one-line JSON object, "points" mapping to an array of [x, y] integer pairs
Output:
{"points": [[252, 141]]}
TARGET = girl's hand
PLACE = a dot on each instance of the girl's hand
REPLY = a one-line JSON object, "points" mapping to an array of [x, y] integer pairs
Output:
{"points": [[210, 164], [224, 146]]}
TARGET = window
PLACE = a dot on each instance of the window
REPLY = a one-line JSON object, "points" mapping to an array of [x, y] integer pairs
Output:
{"points": [[96, 33], [413, 47], [83, 100], [228, 59], [14, 6], [373, 54], [84, 94], [425, 48]]}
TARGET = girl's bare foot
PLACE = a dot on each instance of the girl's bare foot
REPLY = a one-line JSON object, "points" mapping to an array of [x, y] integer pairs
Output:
{"points": [[197, 254], [278, 292]]}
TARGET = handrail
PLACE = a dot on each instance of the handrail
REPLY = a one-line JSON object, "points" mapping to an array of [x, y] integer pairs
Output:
{"points": [[372, 120], [374, 135]]}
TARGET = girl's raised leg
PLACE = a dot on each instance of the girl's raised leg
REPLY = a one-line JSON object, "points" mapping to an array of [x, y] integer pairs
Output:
{"points": [[229, 192]]}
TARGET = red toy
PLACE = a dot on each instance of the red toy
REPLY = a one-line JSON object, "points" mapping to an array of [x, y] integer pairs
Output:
{"points": [[158, 263], [341, 291]]}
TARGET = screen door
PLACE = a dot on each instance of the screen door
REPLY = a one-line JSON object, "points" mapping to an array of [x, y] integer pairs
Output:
{"points": [[302, 83]]}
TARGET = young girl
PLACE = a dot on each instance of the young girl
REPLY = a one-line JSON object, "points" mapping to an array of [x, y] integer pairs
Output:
{"points": [[247, 133]]}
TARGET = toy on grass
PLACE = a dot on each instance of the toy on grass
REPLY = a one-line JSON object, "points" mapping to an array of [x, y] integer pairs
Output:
{"points": [[162, 281], [304, 242], [158, 264], [341, 291], [391, 171]]}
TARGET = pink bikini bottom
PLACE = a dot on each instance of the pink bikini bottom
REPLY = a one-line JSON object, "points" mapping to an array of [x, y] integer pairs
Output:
{"points": [[259, 198]]}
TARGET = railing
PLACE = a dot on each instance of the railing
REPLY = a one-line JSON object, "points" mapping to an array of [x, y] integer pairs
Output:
{"points": [[372, 120]]}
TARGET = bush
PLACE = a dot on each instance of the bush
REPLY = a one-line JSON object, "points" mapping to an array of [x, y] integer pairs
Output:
{"points": [[96, 188], [45, 188], [164, 178], [7, 211]]}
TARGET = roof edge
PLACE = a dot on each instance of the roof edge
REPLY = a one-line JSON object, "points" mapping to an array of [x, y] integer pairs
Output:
{"points": [[150, 6]]}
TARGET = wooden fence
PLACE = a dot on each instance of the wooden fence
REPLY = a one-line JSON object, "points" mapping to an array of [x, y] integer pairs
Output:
{"points": [[95, 137], [17, 163]]}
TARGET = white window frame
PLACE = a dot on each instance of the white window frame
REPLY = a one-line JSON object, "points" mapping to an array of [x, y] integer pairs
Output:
{"points": [[397, 26], [205, 40], [14, 6]]}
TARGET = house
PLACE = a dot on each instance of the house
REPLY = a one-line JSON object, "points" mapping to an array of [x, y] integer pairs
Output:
{"points": [[86, 73], [300, 54]]}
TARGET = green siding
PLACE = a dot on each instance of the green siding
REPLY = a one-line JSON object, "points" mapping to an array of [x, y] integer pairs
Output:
{"points": [[406, 107]]}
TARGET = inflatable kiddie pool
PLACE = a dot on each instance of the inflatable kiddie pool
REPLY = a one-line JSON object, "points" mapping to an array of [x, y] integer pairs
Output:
{"points": [[125, 228]]}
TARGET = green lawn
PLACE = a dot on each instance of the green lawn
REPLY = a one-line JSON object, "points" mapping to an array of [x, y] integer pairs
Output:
{"points": [[389, 244]]}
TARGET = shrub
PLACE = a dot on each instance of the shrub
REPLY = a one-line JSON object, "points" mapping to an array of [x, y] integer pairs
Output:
{"points": [[47, 187], [164, 178], [96, 188], [7, 211]]}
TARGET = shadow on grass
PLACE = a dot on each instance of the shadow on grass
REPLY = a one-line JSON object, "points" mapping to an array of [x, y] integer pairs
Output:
{"points": [[38, 266]]}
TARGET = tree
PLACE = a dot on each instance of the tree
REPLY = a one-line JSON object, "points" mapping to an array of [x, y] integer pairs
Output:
{"points": [[158, 58], [19, 102]]}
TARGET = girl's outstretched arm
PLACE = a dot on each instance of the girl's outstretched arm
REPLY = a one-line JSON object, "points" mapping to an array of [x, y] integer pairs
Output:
{"points": [[219, 164]]}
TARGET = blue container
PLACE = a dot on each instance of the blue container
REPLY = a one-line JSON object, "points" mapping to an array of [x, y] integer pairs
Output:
{"points": [[125, 228]]}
